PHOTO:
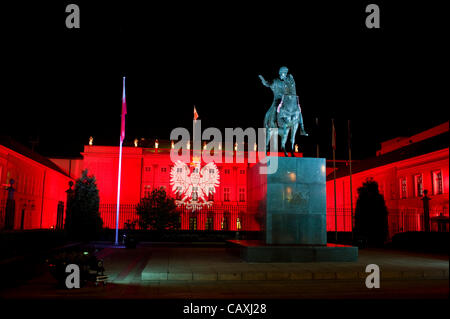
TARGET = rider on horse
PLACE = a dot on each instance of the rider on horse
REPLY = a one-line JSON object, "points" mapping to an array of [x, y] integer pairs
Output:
{"points": [[285, 85]]}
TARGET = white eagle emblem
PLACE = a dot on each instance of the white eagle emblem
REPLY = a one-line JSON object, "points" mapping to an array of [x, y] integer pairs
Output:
{"points": [[196, 186]]}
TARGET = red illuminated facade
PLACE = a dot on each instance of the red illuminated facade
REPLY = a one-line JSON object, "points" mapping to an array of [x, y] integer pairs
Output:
{"points": [[144, 169], [39, 187], [403, 169]]}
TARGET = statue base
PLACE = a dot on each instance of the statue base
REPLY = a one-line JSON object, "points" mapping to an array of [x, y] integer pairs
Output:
{"points": [[259, 252], [291, 206]]}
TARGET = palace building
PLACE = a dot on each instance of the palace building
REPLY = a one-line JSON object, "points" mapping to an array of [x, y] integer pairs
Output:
{"points": [[145, 168], [403, 168]]}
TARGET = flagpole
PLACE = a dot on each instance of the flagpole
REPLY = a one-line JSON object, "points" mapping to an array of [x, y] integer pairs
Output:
{"points": [[350, 167], [334, 178], [122, 136], [118, 193]]}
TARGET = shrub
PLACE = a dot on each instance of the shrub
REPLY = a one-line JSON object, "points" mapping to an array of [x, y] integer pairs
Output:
{"points": [[83, 219], [158, 211], [371, 215]]}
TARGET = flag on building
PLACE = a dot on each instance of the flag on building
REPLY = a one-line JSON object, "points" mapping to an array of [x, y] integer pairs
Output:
{"points": [[124, 112], [195, 114]]}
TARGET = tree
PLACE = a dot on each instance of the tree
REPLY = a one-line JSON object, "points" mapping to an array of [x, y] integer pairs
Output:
{"points": [[371, 224], [83, 219], [158, 211]]}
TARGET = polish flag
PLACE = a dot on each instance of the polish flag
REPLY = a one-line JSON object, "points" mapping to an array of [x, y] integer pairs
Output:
{"points": [[195, 114], [124, 112]]}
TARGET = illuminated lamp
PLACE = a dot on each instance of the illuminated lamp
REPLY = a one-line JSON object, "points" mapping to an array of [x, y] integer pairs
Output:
{"points": [[235, 146], [220, 146], [156, 143], [91, 141], [204, 145], [172, 145], [255, 147], [296, 148], [188, 145], [136, 142], [238, 224], [292, 176]]}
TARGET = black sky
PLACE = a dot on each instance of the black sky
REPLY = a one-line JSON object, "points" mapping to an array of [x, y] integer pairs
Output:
{"points": [[65, 85]]}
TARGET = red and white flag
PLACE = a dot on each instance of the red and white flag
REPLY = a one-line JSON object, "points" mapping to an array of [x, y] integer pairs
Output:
{"points": [[195, 114], [124, 112]]}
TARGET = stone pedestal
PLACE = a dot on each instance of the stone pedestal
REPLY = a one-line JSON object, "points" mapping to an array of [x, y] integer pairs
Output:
{"points": [[292, 201], [291, 205]]}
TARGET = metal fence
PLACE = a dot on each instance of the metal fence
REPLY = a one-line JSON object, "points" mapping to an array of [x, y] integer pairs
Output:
{"points": [[399, 220], [217, 217], [235, 217]]}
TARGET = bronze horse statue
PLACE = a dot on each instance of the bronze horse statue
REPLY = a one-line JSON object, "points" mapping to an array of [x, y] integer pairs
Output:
{"points": [[285, 113]]}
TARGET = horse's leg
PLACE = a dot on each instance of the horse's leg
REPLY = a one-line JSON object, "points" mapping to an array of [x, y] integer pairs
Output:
{"points": [[293, 132], [284, 137]]}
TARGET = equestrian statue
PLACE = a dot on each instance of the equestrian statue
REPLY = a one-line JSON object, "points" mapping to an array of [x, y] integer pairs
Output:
{"points": [[285, 112]]}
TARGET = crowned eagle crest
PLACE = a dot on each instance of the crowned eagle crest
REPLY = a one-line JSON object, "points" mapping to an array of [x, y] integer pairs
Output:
{"points": [[194, 187]]}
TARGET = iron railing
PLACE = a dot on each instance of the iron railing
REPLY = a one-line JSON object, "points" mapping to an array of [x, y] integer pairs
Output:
{"points": [[231, 217], [399, 220], [217, 217]]}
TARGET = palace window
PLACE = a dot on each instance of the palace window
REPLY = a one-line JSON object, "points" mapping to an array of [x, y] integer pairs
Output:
{"points": [[179, 170], [148, 169], [226, 194], [211, 171], [227, 171], [179, 223], [195, 193], [242, 194], [224, 223], [418, 185], [403, 188], [437, 182], [242, 171], [211, 194], [163, 169], [209, 225], [147, 191], [193, 223], [178, 193]]}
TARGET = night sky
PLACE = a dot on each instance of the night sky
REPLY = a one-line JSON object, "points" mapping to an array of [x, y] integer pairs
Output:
{"points": [[65, 85]]}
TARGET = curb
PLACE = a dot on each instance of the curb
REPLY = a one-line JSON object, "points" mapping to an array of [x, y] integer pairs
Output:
{"points": [[289, 276]]}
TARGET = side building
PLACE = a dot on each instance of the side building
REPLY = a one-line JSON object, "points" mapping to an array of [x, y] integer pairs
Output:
{"points": [[32, 193], [403, 168]]}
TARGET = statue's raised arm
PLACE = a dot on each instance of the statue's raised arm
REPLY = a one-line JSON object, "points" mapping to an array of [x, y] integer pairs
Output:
{"points": [[264, 82]]}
